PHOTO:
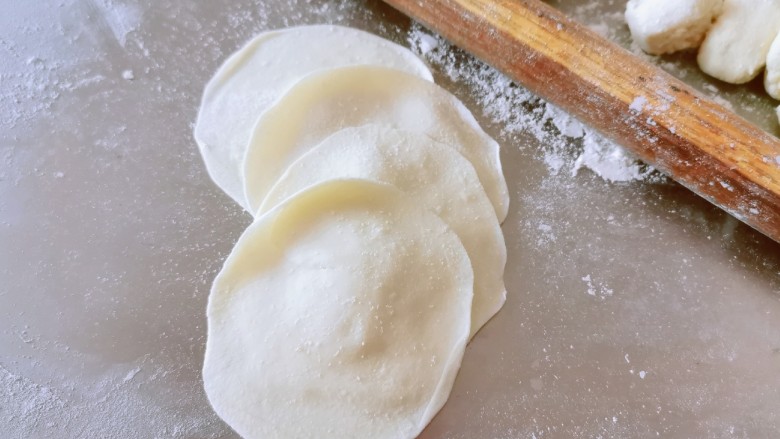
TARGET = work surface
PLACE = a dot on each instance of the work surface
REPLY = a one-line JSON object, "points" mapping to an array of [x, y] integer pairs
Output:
{"points": [[635, 309]]}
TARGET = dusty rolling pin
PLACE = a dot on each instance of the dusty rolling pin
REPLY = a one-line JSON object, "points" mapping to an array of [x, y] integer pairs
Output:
{"points": [[703, 146]]}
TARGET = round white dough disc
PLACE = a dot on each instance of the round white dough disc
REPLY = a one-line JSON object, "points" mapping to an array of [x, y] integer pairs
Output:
{"points": [[343, 312], [433, 175], [328, 101], [254, 77]]}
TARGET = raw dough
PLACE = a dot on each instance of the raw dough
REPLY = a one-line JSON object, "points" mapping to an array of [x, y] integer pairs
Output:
{"points": [[736, 47], [433, 175], [257, 74], [343, 313], [328, 101], [772, 76], [666, 26]]}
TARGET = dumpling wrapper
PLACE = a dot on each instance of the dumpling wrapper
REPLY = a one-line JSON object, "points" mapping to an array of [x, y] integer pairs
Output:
{"points": [[258, 73], [433, 175], [736, 46], [328, 101], [343, 312]]}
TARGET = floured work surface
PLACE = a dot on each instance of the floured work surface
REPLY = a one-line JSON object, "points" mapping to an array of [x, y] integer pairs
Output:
{"points": [[633, 307]]}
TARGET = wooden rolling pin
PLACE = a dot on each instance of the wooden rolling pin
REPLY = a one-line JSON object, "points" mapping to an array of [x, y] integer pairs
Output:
{"points": [[700, 144]]}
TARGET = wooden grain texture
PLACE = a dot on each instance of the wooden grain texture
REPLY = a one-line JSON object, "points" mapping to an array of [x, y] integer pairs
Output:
{"points": [[700, 144]]}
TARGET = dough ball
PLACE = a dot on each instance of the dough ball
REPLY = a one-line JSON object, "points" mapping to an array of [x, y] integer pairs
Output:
{"points": [[736, 48], [344, 313], [772, 74], [666, 26]]}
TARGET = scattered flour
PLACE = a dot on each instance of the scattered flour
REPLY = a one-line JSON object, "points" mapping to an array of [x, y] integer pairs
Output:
{"points": [[545, 235], [121, 18], [597, 289], [566, 125], [35, 71], [24, 403], [570, 145], [638, 104], [612, 163], [106, 407]]}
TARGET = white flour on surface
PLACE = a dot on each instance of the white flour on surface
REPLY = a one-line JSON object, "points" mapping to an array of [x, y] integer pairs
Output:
{"points": [[106, 407], [24, 403], [571, 146], [58, 66], [609, 161], [597, 289], [121, 18]]}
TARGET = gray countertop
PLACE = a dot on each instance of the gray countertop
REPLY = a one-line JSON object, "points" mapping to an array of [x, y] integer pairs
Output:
{"points": [[634, 309]]}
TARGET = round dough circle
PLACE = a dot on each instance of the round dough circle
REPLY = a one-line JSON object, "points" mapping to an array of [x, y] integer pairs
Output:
{"points": [[328, 101], [434, 175], [257, 74], [343, 312]]}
